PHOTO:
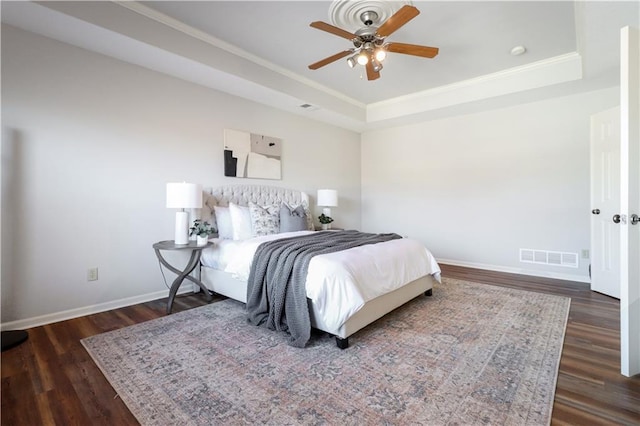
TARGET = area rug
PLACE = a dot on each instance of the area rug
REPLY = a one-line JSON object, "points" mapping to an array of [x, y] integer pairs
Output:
{"points": [[470, 354]]}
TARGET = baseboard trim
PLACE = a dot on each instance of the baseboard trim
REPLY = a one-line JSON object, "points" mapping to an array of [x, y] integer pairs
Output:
{"points": [[496, 268], [86, 310], [121, 303]]}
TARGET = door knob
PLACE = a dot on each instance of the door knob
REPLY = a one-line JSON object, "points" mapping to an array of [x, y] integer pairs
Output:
{"points": [[595, 211], [616, 218], [635, 219]]}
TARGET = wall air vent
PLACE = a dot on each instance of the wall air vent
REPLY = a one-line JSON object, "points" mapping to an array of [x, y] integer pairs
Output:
{"points": [[545, 257], [309, 107]]}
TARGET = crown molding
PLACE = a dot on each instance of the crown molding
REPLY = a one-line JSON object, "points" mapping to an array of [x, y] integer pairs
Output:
{"points": [[559, 69], [135, 33], [214, 41]]}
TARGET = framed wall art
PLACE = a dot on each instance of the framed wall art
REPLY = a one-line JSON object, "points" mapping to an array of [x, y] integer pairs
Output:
{"points": [[249, 155]]}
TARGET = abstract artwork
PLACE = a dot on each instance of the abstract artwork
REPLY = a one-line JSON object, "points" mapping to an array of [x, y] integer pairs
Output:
{"points": [[249, 155]]}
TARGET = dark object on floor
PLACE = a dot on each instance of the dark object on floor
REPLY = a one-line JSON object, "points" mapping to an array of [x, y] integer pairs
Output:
{"points": [[13, 338], [342, 343]]}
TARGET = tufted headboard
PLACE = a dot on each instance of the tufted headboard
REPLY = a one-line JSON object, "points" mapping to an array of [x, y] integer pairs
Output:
{"points": [[243, 194]]}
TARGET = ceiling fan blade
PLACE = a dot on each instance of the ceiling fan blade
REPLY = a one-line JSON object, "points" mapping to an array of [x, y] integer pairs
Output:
{"points": [[401, 17], [371, 73], [333, 30], [327, 61], [413, 49]]}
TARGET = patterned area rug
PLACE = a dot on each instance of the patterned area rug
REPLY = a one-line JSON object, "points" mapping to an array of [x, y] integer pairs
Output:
{"points": [[470, 354]]}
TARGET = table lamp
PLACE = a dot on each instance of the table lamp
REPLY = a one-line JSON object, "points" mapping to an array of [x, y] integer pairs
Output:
{"points": [[327, 198], [183, 196]]}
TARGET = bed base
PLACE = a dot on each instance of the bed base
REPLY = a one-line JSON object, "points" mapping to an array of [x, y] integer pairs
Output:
{"points": [[224, 284], [343, 343], [375, 309]]}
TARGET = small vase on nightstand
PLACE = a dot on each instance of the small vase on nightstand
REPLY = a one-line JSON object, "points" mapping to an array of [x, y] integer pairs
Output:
{"points": [[326, 226], [202, 240]]}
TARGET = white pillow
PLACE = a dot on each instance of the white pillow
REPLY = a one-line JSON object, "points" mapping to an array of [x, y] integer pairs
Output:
{"points": [[223, 221], [240, 221]]}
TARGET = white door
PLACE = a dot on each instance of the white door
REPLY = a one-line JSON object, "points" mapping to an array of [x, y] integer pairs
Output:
{"points": [[630, 201], [605, 202]]}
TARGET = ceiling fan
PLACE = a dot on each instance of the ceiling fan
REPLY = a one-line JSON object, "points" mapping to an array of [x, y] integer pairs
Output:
{"points": [[369, 45]]}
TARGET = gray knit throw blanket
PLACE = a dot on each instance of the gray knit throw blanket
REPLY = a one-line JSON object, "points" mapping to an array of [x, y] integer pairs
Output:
{"points": [[276, 293]]}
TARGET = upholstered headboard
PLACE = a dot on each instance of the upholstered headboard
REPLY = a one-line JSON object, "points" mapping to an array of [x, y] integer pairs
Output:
{"points": [[258, 194]]}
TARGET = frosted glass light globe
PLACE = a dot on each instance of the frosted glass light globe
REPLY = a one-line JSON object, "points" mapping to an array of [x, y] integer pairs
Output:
{"points": [[381, 54]]}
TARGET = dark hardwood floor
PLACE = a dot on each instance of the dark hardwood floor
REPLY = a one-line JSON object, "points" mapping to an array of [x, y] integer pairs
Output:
{"points": [[50, 379]]}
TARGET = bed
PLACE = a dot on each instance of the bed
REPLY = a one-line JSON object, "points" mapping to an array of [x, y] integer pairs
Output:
{"points": [[367, 296]]}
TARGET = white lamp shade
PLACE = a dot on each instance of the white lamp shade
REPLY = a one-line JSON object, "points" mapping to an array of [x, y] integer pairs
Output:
{"points": [[327, 197], [184, 195]]}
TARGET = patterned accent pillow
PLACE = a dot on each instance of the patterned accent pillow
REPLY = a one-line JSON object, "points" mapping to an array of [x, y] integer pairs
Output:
{"points": [[264, 220], [310, 225]]}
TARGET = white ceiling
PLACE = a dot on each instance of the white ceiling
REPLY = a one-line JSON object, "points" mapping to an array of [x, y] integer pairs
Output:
{"points": [[474, 39], [261, 50]]}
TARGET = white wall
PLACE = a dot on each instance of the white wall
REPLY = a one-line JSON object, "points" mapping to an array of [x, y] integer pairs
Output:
{"points": [[477, 188], [88, 145], [89, 142]]}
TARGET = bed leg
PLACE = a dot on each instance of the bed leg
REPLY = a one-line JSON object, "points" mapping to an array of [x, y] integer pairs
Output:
{"points": [[342, 343], [429, 292]]}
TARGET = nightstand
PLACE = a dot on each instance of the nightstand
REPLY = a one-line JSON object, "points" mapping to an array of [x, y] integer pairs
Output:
{"points": [[196, 252]]}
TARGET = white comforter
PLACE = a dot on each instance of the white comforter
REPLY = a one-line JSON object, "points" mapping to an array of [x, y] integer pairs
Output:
{"points": [[340, 283]]}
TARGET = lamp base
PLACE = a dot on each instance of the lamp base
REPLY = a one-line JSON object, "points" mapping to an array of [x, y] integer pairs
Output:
{"points": [[182, 229], [326, 211]]}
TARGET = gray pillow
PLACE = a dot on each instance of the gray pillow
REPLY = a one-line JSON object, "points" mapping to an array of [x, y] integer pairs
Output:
{"points": [[292, 219]]}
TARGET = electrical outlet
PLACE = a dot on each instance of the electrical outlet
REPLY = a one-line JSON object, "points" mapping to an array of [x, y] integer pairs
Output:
{"points": [[92, 274], [585, 253]]}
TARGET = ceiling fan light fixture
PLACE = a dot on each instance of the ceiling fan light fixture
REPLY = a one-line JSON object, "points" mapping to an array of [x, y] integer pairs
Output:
{"points": [[363, 58], [369, 42]]}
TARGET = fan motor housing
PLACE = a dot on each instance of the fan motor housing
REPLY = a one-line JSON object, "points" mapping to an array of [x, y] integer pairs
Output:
{"points": [[367, 33]]}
